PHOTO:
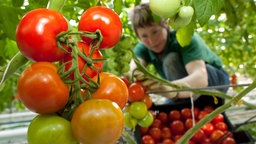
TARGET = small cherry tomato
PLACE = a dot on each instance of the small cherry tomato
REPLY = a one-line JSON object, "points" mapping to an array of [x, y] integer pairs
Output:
{"points": [[136, 92]]}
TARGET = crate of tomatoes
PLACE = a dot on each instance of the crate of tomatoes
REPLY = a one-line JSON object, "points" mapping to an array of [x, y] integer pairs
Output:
{"points": [[171, 121]]}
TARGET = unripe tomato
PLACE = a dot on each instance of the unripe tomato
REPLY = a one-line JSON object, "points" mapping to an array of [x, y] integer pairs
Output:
{"points": [[97, 121], [165, 8], [36, 35], [50, 129], [138, 109], [147, 120], [129, 121], [186, 12]]}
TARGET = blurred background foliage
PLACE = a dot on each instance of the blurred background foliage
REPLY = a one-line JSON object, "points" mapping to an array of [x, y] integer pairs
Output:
{"points": [[230, 32]]}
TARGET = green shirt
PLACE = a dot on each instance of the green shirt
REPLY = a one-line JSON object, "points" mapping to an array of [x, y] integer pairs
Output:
{"points": [[196, 50]]}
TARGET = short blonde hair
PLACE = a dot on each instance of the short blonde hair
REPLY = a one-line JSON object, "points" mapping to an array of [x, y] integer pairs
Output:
{"points": [[142, 16]]}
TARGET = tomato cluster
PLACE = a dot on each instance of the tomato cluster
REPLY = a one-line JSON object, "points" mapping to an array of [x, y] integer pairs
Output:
{"points": [[168, 127], [65, 84]]}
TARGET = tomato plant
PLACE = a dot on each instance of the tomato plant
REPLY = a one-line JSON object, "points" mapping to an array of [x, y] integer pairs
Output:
{"points": [[36, 35], [103, 19], [111, 87], [136, 92], [84, 67], [50, 129], [41, 90], [97, 121]]}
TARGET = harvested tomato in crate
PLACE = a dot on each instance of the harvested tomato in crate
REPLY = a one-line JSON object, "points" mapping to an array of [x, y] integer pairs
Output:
{"points": [[171, 121]]}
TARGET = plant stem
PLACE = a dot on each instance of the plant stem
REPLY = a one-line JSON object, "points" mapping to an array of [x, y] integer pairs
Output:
{"points": [[56, 4]]}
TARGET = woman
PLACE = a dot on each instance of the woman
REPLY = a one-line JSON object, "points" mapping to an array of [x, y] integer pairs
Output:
{"points": [[194, 66]]}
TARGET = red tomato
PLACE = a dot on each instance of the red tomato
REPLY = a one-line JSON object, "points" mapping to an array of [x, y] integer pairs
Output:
{"points": [[208, 108], [111, 87], [136, 92], [41, 90], [206, 141], [82, 64], [143, 130], [198, 136], [221, 126], [177, 127], [218, 118], [103, 19], [36, 35], [189, 123], [186, 113], [196, 111], [166, 133], [147, 139], [174, 115], [163, 117], [97, 121], [156, 133], [208, 128], [215, 135], [168, 141], [147, 100], [126, 81], [202, 114], [157, 123], [229, 140]]}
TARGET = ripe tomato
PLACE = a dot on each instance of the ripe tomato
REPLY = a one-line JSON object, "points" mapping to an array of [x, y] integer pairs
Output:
{"points": [[41, 90], [48, 129], [168, 141], [166, 133], [177, 127], [163, 117], [147, 100], [221, 126], [97, 121], [36, 35], [156, 133], [82, 64], [136, 92], [208, 108], [208, 128], [229, 140], [103, 19], [202, 114], [138, 110], [126, 81], [215, 135], [218, 118], [157, 123], [111, 87], [147, 139], [186, 113], [174, 115], [196, 111], [143, 130], [198, 136], [188, 123]]}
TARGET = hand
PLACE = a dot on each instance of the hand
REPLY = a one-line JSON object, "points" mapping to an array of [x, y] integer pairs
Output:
{"points": [[153, 86]]}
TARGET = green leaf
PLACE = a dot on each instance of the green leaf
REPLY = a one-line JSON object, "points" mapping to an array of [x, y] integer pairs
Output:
{"points": [[204, 9], [9, 19], [15, 63], [38, 3], [118, 6], [184, 34], [17, 3]]}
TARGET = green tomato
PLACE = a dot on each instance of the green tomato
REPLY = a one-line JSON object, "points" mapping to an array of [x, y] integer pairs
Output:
{"points": [[50, 129], [165, 8], [129, 121], [147, 120], [138, 109], [186, 12], [178, 22]]}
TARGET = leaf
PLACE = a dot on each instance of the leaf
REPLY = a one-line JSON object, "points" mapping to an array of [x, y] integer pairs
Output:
{"points": [[184, 34], [204, 9], [15, 63], [9, 19], [118, 6], [38, 3]]}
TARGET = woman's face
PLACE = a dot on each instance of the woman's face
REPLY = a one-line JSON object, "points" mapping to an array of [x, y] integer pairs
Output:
{"points": [[154, 37]]}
